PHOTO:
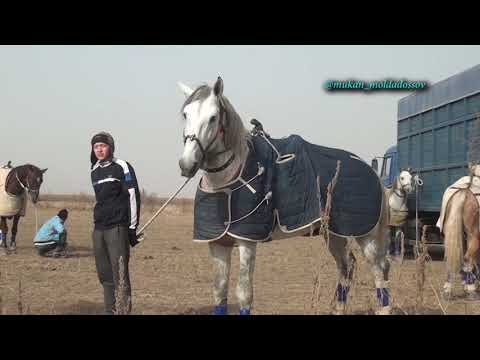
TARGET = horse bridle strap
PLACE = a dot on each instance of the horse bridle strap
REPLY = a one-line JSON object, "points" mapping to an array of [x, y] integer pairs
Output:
{"points": [[221, 130], [223, 167], [27, 187]]}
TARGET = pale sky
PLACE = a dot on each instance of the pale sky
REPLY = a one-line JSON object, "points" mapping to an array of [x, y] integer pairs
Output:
{"points": [[54, 98]]}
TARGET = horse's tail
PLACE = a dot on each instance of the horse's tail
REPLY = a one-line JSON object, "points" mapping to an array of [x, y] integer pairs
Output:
{"points": [[453, 232], [384, 221], [471, 225]]}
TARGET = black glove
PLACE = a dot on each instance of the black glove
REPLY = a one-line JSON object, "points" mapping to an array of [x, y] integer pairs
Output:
{"points": [[132, 237]]}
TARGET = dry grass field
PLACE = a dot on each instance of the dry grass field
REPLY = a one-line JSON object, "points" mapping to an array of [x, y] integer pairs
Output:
{"points": [[171, 274]]}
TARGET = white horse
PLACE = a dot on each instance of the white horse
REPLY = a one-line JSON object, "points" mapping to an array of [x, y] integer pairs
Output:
{"points": [[215, 140], [459, 223], [397, 203]]}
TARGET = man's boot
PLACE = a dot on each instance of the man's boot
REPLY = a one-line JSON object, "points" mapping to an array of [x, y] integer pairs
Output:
{"points": [[109, 298]]}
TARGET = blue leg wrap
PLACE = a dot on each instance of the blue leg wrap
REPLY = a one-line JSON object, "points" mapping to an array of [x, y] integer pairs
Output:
{"points": [[220, 310], [382, 297], [341, 293], [469, 278]]}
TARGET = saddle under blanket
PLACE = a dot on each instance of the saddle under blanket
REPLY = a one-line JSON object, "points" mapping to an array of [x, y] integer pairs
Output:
{"points": [[294, 203], [10, 205], [459, 185]]}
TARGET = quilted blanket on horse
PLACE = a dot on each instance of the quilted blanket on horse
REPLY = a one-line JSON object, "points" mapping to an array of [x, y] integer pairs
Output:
{"points": [[10, 205], [465, 182], [285, 193]]}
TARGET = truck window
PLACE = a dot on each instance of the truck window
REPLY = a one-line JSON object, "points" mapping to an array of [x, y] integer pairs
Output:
{"points": [[386, 167]]}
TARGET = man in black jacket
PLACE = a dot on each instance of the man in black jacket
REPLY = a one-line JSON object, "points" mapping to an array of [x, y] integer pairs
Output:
{"points": [[116, 217]]}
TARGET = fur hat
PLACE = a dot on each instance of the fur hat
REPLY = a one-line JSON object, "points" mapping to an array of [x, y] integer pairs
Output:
{"points": [[101, 137]]}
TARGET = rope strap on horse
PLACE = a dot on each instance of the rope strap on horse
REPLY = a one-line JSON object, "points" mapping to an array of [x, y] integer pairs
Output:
{"points": [[267, 197], [140, 233]]}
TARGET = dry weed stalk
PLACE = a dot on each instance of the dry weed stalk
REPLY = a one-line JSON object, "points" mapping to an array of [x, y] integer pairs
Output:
{"points": [[438, 298], [421, 257], [324, 230], [19, 300], [122, 301], [2, 310]]}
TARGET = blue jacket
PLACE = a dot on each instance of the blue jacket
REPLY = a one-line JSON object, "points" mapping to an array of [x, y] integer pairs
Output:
{"points": [[50, 231]]}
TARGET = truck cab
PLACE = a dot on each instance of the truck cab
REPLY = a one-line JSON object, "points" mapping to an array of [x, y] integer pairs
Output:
{"points": [[389, 169]]}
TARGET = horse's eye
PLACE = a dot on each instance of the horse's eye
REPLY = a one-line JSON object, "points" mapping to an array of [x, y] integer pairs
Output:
{"points": [[401, 178], [212, 119], [185, 116]]}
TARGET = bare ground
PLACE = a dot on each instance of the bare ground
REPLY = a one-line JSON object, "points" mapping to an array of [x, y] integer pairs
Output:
{"points": [[171, 274]]}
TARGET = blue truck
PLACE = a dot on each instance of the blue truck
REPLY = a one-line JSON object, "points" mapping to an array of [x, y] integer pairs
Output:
{"points": [[438, 131]]}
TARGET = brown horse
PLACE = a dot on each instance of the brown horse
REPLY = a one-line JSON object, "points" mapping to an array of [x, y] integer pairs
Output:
{"points": [[459, 222], [15, 184]]}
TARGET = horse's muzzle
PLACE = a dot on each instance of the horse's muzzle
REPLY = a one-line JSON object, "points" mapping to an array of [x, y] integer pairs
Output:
{"points": [[33, 197], [188, 171]]}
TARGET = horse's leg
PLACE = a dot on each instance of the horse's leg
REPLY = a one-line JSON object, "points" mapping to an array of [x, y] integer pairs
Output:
{"points": [[375, 254], [374, 248], [471, 226], [244, 289], [453, 230], [3, 235], [221, 260], [345, 267], [13, 244], [391, 240]]}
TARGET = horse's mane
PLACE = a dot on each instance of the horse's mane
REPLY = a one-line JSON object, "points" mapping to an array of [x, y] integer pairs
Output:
{"points": [[236, 136], [21, 169]]}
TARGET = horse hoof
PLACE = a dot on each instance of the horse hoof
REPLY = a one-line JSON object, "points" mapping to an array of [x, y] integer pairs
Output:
{"points": [[472, 296], [447, 295], [398, 259], [13, 247], [220, 310], [339, 309], [244, 312], [384, 310]]}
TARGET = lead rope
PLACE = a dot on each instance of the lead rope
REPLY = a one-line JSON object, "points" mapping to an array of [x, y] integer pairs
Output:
{"points": [[140, 233], [36, 218], [418, 182]]}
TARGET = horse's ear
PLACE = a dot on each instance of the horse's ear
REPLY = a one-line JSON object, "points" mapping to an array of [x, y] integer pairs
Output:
{"points": [[187, 91], [218, 87], [44, 171]]}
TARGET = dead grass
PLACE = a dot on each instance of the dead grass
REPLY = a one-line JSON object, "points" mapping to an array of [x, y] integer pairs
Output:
{"points": [[170, 274], [84, 202]]}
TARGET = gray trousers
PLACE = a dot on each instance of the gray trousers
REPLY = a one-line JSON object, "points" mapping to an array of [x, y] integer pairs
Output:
{"points": [[109, 246], [59, 246]]}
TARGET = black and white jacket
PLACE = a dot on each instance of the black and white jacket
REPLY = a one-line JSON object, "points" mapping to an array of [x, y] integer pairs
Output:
{"points": [[117, 195]]}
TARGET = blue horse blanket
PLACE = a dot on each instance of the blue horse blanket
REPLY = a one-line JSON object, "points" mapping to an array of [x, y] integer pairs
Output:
{"points": [[246, 212]]}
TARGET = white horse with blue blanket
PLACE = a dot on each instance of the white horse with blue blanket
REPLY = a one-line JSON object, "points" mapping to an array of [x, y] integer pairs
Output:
{"points": [[256, 189]]}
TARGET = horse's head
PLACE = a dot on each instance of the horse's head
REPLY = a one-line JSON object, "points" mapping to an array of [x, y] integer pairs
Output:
{"points": [[205, 120], [405, 181], [474, 168], [32, 179]]}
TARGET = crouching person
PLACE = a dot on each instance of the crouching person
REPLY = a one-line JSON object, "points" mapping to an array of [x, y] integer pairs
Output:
{"points": [[52, 236]]}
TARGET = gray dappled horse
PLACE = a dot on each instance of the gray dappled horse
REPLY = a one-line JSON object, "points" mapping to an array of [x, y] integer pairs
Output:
{"points": [[216, 141]]}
